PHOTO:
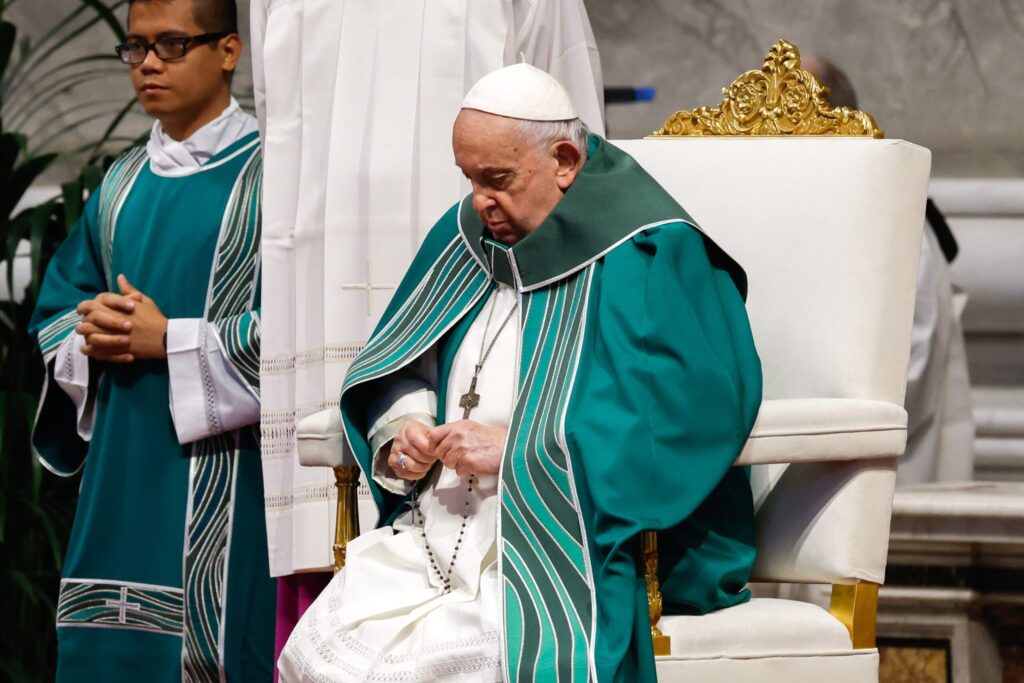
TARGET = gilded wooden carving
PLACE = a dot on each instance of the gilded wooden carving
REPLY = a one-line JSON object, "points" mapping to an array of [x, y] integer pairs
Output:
{"points": [[649, 554], [778, 99], [346, 479]]}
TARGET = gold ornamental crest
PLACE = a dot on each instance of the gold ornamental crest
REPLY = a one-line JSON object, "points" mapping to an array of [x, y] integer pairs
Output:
{"points": [[780, 98]]}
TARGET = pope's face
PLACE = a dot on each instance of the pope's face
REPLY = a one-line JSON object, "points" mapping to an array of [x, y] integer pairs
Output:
{"points": [[515, 184]]}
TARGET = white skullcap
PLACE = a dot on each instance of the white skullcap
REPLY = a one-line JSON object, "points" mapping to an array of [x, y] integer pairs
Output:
{"points": [[521, 91]]}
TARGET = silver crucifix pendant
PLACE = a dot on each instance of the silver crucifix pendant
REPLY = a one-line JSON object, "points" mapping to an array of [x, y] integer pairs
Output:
{"points": [[470, 399]]}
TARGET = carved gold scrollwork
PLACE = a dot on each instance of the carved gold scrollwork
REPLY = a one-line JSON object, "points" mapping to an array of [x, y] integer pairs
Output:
{"points": [[779, 99], [649, 554], [346, 479]]}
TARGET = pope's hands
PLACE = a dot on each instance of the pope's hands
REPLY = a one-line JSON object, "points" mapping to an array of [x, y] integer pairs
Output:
{"points": [[467, 447], [122, 328], [413, 442]]}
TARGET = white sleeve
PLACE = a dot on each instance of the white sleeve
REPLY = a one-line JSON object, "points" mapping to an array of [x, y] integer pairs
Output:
{"points": [[71, 373], [411, 397], [207, 394]]}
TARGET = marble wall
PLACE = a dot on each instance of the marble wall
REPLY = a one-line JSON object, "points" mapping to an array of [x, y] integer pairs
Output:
{"points": [[948, 74]]}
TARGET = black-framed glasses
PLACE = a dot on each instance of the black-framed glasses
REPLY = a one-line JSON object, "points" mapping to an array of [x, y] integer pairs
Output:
{"points": [[166, 48]]}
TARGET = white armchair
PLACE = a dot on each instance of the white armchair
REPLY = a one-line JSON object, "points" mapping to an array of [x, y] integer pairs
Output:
{"points": [[828, 230]]}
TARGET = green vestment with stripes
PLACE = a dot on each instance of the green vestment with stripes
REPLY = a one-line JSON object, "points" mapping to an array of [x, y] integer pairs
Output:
{"points": [[166, 575], [638, 384]]}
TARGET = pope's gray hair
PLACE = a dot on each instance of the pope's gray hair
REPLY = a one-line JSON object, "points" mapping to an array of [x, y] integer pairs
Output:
{"points": [[543, 134]]}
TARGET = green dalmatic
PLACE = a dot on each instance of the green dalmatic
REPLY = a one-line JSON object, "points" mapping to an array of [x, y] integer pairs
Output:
{"points": [[638, 385], [166, 576]]}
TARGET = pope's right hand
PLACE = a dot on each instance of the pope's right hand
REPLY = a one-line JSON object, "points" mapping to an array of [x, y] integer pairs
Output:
{"points": [[412, 441]]}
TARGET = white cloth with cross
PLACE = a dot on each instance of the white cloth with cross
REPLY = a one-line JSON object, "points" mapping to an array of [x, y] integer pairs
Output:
{"points": [[357, 102]]}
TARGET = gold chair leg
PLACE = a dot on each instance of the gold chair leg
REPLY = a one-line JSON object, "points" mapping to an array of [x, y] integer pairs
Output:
{"points": [[649, 548], [346, 479], [856, 606]]}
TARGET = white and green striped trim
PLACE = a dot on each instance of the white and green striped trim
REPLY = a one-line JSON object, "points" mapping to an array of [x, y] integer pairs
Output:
{"points": [[450, 289], [231, 294], [117, 185], [240, 336], [98, 603], [54, 333], [237, 262], [550, 606]]}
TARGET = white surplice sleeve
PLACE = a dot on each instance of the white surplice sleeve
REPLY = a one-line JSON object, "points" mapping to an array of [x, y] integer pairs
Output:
{"points": [[207, 394], [71, 373], [412, 396]]}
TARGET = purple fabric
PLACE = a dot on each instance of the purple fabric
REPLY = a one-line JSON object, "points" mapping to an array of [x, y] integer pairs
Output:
{"points": [[295, 593]]}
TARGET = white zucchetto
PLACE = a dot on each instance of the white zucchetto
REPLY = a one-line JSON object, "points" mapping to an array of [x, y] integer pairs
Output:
{"points": [[521, 91]]}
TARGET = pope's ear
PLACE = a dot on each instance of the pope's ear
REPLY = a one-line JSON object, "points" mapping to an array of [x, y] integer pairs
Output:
{"points": [[569, 159]]}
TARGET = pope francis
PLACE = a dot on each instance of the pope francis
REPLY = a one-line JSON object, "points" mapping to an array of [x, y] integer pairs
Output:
{"points": [[566, 363]]}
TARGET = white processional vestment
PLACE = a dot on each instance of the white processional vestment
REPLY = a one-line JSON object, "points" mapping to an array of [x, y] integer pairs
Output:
{"points": [[358, 101], [385, 616]]}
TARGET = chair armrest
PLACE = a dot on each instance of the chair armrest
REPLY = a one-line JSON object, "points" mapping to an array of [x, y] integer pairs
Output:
{"points": [[320, 440], [825, 429]]}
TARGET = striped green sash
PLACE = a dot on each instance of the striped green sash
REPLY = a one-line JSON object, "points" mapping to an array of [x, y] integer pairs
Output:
{"points": [[213, 461]]}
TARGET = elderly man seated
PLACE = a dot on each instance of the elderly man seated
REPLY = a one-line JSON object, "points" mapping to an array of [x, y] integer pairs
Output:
{"points": [[567, 363]]}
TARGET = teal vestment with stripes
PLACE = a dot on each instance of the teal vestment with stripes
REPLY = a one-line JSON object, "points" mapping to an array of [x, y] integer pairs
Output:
{"points": [[638, 384], [166, 576]]}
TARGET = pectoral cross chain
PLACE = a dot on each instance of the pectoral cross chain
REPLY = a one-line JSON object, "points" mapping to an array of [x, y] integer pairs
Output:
{"points": [[470, 399], [467, 402]]}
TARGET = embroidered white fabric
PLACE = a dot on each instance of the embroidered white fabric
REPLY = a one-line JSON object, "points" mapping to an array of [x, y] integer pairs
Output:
{"points": [[385, 616], [207, 394], [71, 372], [358, 167]]}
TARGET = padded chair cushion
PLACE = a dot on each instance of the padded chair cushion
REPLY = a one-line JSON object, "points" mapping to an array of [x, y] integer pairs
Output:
{"points": [[855, 666], [765, 639], [763, 627], [320, 440], [817, 429]]}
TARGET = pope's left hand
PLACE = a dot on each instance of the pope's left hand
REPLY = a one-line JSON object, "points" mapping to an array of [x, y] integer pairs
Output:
{"points": [[148, 324], [469, 447]]}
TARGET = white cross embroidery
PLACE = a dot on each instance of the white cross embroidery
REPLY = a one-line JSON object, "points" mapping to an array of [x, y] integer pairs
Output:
{"points": [[368, 288], [123, 606]]}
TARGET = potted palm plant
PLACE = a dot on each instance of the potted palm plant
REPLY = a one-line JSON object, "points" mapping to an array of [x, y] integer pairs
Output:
{"points": [[36, 509]]}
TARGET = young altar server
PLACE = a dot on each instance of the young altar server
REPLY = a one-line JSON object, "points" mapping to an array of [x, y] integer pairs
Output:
{"points": [[148, 321]]}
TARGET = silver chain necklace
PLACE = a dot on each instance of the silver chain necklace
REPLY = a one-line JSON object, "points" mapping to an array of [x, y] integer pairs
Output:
{"points": [[467, 402]]}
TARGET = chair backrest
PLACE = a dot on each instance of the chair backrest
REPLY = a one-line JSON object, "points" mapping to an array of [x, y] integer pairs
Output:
{"points": [[828, 230]]}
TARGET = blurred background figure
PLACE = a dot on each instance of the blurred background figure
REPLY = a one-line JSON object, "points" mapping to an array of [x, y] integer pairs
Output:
{"points": [[940, 424]]}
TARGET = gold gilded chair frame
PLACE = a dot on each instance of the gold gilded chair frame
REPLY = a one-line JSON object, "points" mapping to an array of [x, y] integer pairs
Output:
{"points": [[346, 480], [780, 98]]}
